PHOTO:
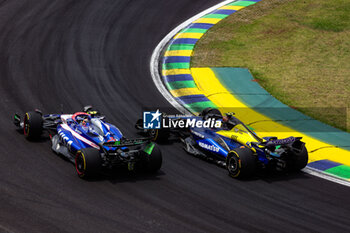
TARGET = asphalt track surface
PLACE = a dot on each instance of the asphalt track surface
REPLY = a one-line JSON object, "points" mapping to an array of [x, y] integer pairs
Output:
{"points": [[98, 52]]}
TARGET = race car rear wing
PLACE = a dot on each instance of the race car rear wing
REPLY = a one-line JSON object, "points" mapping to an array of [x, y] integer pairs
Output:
{"points": [[278, 142]]}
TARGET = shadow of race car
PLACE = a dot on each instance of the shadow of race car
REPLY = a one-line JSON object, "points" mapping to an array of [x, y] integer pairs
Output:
{"points": [[234, 145], [91, 143]]}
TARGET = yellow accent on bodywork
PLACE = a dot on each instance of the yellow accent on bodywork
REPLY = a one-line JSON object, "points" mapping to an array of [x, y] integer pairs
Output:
{"points": [[239, 136]]}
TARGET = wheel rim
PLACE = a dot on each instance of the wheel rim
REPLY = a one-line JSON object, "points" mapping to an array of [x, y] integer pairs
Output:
{"points": [[154, 134], [25, 126], [79, 164], [232, 165]]}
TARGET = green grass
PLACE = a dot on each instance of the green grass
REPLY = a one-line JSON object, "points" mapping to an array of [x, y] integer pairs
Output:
{"points": [[298, 50]]}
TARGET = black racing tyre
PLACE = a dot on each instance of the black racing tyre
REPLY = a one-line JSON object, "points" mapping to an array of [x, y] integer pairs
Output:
{"points": [[241, 163], [210, 111], [139, 124], [159, 135], [154, 160], [32, 125], [300, 158], [88, 163]]}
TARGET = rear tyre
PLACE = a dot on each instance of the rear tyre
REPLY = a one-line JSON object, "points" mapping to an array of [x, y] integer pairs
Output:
{"points": [[300, 158], [210, 111], [32, 125], [154, 160], [241, 163], [88, 163]]}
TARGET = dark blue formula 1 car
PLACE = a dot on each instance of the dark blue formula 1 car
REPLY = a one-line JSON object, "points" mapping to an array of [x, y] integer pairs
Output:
{"points": [[90, 142], [235, 146]]}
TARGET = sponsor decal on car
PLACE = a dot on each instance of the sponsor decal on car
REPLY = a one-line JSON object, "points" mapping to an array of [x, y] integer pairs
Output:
{"points": [[79, 137], [65, 139], [208, 147], [282, 141], [197, 134]]}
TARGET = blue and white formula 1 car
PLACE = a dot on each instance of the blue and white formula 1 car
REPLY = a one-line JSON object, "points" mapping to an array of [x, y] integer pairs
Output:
{"points": [[234, 145], [90, 142]]}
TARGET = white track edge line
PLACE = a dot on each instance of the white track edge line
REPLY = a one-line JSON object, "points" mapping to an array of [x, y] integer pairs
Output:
{"points": [[157, 79], [326, 176]]}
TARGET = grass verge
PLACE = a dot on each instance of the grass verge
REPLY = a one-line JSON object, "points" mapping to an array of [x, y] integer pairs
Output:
{"points": [[298, 50]]}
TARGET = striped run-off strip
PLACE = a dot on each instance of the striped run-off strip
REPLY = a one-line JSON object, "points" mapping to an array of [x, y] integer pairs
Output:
{"points": [[333, 168], [177, 57]]}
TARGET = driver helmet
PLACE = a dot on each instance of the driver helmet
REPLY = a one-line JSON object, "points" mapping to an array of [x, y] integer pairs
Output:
{"points": [[227, 123], [85, 122], [225, 118]]}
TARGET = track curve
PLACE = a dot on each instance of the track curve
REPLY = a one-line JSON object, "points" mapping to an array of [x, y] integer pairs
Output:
{"points": [[97, 52]]}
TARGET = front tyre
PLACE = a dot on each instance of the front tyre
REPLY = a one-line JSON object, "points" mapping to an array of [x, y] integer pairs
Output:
{"points": [[32, 125], [241, 163], [88, 163], [156, 135], [159, 135], [154, 158]]}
